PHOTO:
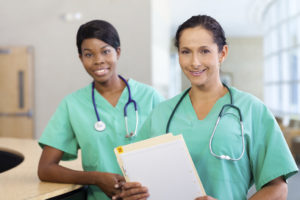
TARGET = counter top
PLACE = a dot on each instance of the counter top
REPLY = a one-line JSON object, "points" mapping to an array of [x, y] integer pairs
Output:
{"points": [[22, 182]]}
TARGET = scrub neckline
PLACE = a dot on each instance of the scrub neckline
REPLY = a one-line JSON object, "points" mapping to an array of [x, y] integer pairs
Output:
{"points": [[121, 101], [213, 111]]}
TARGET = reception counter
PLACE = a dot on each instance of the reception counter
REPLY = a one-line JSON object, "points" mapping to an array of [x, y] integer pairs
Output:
{"points": [[22, 182]]}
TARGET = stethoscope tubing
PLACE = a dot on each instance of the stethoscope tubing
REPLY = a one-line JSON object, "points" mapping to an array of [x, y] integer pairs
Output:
{"points": [[231, 105], [130, 100], [94, 102]]}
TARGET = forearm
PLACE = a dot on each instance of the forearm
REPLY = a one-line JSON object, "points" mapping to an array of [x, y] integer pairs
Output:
{"points": [[275, 190], [60, 174]]}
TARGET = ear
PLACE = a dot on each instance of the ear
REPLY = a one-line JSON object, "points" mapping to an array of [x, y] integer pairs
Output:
{"points": [[118, 52], [80, 57], [223, 54]]}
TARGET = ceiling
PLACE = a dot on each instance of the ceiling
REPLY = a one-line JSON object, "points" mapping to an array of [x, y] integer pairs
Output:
{"points": [[239, 18]]}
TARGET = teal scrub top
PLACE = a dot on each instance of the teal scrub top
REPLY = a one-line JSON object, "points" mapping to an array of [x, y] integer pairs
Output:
{"points": [[72, 127], [266, 156]]}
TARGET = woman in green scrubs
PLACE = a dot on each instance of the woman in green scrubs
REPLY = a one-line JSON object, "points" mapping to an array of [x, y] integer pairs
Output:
{"points": [[228, 162], [72, 126]]}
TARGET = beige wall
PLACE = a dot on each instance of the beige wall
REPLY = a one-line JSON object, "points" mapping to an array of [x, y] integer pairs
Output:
{"points": [[245, 64], [58, 70]]}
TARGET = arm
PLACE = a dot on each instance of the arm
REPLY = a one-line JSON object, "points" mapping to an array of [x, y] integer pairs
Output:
{"points": [[50, 170], [275, 189]]}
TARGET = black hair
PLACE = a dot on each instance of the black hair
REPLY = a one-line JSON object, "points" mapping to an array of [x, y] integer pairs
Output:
{"points": [[206, 22], [98, 29]]}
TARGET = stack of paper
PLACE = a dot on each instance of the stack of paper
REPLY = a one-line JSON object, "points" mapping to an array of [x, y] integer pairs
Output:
{"points": [[162, 164]]}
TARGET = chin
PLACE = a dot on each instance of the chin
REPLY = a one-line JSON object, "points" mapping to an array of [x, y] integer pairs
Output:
{"points": [[198, 82]]}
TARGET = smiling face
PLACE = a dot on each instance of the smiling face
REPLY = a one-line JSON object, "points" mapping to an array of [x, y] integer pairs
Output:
{"points": [[100, 60], [199, 56]]}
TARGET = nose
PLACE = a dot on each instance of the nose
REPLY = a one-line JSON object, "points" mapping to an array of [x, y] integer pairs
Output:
{"points": [[196, 62], [98, 59]]}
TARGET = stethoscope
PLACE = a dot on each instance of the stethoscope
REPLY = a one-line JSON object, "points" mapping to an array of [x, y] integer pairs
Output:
{"points": [[100, 125], [226, 157]]}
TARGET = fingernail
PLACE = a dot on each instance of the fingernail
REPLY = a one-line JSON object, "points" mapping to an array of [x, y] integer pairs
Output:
{"points": [[117, 186]]}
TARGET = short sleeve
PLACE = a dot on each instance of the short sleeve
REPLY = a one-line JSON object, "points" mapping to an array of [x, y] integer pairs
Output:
{"points": [[270, 156], [59, 134], [157, 98]]}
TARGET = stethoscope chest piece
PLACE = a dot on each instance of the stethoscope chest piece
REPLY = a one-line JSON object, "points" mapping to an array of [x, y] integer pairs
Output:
{"points": [[100, 126]]}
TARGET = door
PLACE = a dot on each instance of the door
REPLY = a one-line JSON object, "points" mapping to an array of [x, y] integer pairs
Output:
{"points": [[16, 92]]}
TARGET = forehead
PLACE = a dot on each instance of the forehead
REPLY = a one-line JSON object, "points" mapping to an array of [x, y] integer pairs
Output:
{"points": [[196, 36], [93, 43]]}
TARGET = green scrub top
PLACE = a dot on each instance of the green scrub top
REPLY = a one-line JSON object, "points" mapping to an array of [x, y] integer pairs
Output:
{"points": [[266, 156], [72, 127]]}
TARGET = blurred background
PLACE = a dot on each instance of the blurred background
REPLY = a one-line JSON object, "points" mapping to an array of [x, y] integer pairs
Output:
{"points": [[39, 63]]}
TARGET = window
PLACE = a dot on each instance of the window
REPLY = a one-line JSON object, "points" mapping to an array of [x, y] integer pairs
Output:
{"points": [[282, 57]]}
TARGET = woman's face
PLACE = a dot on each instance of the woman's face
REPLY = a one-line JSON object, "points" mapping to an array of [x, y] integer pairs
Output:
{"points": [[199, 56], [99, 59]]}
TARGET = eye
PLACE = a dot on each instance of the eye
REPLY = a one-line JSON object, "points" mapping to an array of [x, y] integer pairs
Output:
{"points": [[88, 55], [106, 51], [204, 51], [184, 51]]}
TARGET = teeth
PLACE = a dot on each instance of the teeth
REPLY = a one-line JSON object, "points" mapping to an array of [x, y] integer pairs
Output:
{"points": [[100, 72], [198, 71]]}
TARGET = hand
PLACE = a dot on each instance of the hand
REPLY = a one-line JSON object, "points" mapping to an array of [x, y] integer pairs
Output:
{"points": [[205, 198], [132, 191], [109, 183]]}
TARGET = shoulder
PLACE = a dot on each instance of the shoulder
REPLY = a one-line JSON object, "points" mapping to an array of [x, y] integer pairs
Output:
{"points": [[141, 87], [168, 105], [251, 106], [245, 98], [143, 90], [79, 96]]}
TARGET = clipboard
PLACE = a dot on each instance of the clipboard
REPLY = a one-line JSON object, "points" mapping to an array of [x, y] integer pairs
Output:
{"points": [[163, 165]]}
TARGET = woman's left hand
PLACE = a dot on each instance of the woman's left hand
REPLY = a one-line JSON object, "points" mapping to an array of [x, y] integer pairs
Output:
{"points": [[132, 191]]}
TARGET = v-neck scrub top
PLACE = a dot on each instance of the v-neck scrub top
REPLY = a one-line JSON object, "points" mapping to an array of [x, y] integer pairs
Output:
{"points": [[72, 127], [266, 156]]}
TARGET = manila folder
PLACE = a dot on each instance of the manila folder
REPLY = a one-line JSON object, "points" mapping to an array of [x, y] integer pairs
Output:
{"points": [[163, 165]]}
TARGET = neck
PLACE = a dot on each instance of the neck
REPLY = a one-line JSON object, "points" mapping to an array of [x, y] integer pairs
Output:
{"points": [[206, 93], [113, 85]]}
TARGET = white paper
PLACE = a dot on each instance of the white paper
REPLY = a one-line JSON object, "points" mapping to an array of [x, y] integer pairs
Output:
{"points": [[165, 169]]}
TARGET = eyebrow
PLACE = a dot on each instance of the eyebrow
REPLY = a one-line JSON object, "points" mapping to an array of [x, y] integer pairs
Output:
{"points": [[87, 49], [201, 47]]}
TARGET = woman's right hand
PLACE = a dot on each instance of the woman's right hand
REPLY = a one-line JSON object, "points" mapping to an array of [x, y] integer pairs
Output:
{"points": [[107, 182]]}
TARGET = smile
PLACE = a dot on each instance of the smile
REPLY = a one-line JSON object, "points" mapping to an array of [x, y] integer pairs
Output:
{"points": [[101, 72], [197, 73]]}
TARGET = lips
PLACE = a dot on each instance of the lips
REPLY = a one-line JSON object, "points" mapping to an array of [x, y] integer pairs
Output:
{"points": [[101, 72], [198, 72]]}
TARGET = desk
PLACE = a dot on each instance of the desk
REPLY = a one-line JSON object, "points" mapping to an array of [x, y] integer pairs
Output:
{"points": [[22, 182]]}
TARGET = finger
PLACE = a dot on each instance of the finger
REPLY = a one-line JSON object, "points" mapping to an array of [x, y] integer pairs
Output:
{"points": [[120, 178], [134, 191], [129, 185], [115, 197], [137, 197], [118, 186]]}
